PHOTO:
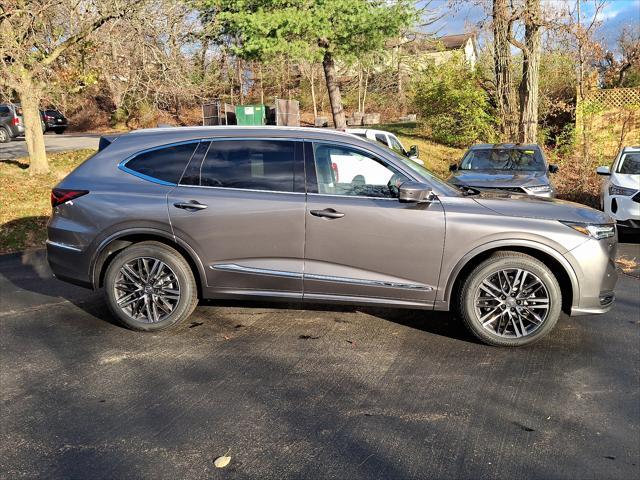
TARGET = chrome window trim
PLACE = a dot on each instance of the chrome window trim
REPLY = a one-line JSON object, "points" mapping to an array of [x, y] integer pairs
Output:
{"points": [[242, 189], [232, 267], [123, 164], [353, 196], [239, 139]]}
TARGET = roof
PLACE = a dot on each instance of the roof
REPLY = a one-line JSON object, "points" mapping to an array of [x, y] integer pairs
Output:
{"points": [[139, 139], [448, 42], [452, 42], [234, 129]]}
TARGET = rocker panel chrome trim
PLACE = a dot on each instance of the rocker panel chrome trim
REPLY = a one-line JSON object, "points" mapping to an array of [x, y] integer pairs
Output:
{"points": [[232, 267]]}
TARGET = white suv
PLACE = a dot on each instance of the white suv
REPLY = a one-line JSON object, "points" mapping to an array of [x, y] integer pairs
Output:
{"points": [[388, 139], [621, 190]]}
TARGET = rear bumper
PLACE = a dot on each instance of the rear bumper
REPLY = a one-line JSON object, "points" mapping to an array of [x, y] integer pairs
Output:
{"points": [[68, 263]]}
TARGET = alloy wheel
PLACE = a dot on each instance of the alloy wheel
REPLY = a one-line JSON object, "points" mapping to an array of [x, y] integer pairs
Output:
{"points": [[3, 135], [146, 289], [512, 303]]}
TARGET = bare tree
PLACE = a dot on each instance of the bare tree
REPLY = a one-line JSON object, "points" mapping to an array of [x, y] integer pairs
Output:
{"points": [[505, 95], [34, 34], [615, 69], [528, 89]]}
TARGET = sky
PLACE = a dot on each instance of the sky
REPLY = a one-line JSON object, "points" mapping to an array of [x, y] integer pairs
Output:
{"points": [[464, 14]]}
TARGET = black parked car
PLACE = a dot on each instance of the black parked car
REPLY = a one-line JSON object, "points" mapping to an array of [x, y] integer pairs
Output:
{"points": [[53, 121], [11, 124]]}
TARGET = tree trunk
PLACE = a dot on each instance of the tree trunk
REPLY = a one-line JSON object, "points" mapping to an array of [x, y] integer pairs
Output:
{"points": [[366, 86], [530, 73], [334, 91], [313, 92], [505, 94], [34, 136]]}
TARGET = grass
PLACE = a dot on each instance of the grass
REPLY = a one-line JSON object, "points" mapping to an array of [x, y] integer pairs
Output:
{"points": [[436, 157], [25, 203]]}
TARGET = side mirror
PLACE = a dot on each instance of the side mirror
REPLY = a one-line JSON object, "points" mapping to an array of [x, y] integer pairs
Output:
{"points": [[603, 170], [553, 168], [413, 151], [453, 167], [415, 192]]}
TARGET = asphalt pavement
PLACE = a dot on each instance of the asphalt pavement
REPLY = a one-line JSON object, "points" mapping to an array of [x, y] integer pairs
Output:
{"points": [[323, 392], [17, 148]]}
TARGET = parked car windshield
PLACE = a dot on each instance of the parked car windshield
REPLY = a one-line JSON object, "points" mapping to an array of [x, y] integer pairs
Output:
{"points": [[630, 164], [429, 176], [503, 159]]}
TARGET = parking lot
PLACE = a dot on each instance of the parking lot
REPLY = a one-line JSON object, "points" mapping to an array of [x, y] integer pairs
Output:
{"points": [[326, 392], [17, 148]]}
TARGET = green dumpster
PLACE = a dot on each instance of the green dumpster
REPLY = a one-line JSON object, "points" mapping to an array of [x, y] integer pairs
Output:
{"points": [[251, 114]]}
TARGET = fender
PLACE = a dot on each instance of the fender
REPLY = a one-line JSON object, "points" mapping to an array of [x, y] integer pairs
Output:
{"points": [[505, 245], [145, 231]]}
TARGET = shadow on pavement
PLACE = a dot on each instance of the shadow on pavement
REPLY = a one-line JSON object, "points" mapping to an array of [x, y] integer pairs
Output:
{"points": [[28, 273]]}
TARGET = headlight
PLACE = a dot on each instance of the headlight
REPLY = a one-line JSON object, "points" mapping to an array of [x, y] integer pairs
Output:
{"points": [[594, 231], [616, 190], [539, 188]]}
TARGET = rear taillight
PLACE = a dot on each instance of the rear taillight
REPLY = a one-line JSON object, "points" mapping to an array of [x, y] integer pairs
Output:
{"points": [[61, 195], [16, 120]]}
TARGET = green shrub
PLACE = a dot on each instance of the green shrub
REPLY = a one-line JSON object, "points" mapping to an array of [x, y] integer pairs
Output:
{"points": [[452, 106]]}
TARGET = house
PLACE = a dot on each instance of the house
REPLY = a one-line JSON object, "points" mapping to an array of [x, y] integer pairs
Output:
{"points": [[444, 48]]}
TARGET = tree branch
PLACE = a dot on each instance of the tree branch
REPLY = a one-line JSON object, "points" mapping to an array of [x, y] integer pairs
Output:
{"points": [[80, 36]]}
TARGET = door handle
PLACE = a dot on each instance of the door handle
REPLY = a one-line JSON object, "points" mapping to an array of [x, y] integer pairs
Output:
{"points": [[192, 205], [326, 213]]}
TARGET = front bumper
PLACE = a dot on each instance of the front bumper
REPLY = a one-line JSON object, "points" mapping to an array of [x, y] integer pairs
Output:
{"points": [[594, 264], [624, 210]]}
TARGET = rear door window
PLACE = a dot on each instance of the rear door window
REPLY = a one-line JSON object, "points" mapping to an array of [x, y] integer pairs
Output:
{"points": [[248, 164], [164, 164]]}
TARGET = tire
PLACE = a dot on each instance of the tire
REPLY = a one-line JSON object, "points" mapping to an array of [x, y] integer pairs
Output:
{"points": [[44, 127], [5, 137], [59, 131], [513, 319], [145, 305]]}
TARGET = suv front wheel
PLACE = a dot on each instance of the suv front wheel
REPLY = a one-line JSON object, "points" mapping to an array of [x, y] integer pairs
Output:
{"points": [[510, 300], [149, 287]]}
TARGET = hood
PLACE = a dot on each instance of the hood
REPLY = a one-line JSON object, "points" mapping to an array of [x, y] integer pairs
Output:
{"points": [[498, 178], [515, 205], [626, 180]]}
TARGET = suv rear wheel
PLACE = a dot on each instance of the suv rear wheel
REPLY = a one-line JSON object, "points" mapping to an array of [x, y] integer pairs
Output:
{"points": [[511, 299], [149, 286]]}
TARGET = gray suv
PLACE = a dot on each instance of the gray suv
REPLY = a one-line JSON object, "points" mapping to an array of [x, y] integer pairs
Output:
{"points": [[163, 217], [511, 167]]}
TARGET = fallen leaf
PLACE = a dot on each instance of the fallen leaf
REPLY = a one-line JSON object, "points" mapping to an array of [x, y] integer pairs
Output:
{"points": [[222, 462]]}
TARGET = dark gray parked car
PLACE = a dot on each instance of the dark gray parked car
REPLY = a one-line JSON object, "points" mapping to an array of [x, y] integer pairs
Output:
{"points": [[510, 167], [162, 217]]}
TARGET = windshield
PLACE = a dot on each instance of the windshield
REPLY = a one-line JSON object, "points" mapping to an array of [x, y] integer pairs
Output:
{"points": [[629, 164], [447, 188], [503, 159]]}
